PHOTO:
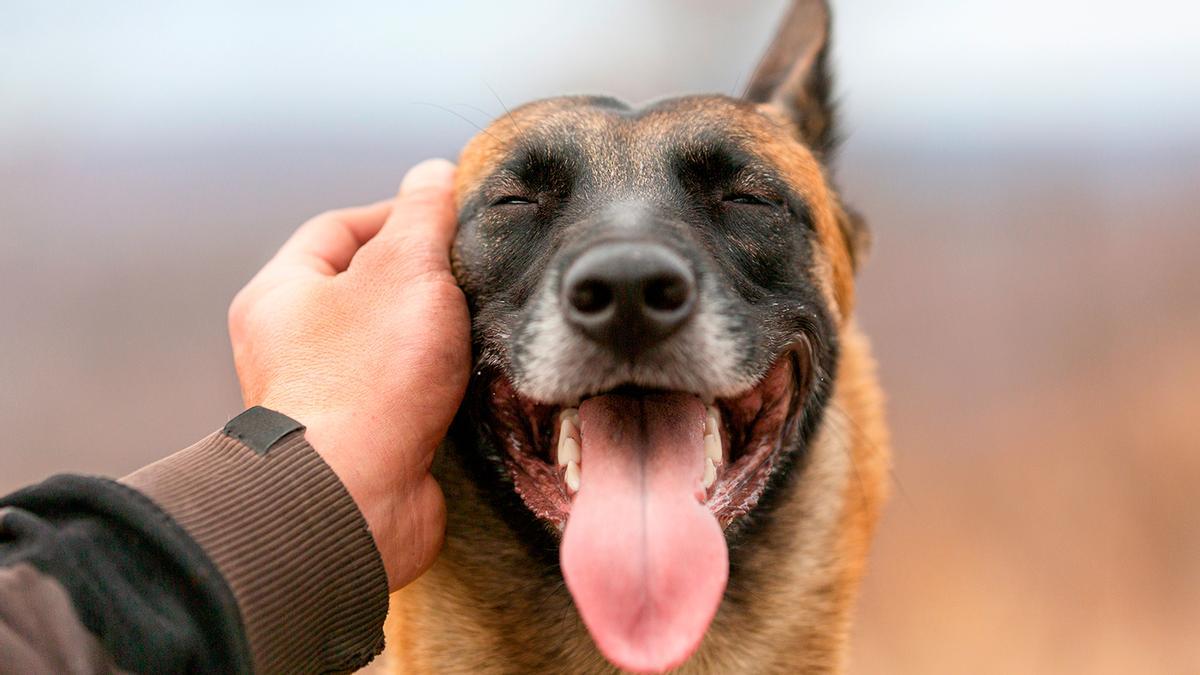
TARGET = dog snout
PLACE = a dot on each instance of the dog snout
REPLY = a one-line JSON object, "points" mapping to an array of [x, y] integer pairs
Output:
{"points": [[628, 296]]}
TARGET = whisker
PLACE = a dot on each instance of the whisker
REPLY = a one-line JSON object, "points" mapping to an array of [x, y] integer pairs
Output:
{"points": [[842, 417], [733, 91], [846, 426], [857, 429], [520, 131], [487, 115], [456, 114]]}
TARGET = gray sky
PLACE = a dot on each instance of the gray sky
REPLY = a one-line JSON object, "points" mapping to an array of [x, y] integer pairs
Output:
{"points": [[979, 72]]}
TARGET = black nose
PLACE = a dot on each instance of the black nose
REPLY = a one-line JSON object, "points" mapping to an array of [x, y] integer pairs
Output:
{"points": [[628, 296]]}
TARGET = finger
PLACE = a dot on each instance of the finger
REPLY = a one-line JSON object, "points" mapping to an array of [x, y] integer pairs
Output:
{"points": [[417, 235], [326, 244]]}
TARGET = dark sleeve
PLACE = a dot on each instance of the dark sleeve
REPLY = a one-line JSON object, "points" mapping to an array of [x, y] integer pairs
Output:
{"points": [[242, 553]]}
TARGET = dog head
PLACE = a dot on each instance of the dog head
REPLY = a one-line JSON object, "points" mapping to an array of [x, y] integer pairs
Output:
{"points": [[656, 295]]}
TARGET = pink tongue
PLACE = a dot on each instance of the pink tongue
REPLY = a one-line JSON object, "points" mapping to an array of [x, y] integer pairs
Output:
{"points": [[643, 558]]}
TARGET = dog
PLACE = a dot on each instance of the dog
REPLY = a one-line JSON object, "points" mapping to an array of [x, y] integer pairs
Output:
{"points": [[672, 452]]}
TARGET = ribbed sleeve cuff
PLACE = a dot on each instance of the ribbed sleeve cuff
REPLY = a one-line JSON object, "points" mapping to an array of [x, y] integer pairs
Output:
{"points": [[288, 539]]}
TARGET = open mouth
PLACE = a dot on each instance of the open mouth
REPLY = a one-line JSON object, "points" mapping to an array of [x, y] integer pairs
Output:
{"points": [[642, 484], [743, 437]]}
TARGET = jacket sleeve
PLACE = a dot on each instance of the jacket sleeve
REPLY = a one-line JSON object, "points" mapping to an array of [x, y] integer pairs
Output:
{"points": [[241, 553]]}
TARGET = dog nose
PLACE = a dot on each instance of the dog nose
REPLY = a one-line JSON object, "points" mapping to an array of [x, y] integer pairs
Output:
{"points": [[627, 295]]}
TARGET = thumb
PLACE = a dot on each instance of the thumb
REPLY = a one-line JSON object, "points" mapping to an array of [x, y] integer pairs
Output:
{"points": [[417, 236]]}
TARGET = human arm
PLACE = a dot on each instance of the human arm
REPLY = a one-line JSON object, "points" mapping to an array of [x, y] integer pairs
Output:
{"points": [[355, 330]]}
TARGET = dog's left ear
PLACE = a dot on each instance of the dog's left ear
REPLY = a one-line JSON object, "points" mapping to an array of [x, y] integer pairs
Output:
{"points": [[794, 76]]}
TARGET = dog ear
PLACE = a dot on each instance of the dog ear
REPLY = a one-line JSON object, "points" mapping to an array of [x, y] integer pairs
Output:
{"points": [[794, 76]]}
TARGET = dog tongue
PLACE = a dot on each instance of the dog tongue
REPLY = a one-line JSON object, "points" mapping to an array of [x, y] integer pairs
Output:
{"points": [[643, 558]]}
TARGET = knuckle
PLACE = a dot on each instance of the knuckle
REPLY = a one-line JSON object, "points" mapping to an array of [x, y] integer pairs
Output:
{"points": [[378, 255], [238, 308], [331, 215], [434, 284]]}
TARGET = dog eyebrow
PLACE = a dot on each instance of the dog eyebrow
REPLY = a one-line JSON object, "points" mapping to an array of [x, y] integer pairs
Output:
{"points": [[528, 170], [716, 160], [536, 168], [719, 158]]}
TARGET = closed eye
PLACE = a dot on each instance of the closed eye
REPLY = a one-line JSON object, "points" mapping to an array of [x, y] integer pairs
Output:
{"points": [[747, 198], [513, 200]]}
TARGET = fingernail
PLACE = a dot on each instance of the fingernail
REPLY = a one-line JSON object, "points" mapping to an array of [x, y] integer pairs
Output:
{"points": [[430, 173]]}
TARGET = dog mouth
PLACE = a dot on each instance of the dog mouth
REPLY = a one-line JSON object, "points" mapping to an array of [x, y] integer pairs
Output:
{"points": [[643, 484], [743, 438]]}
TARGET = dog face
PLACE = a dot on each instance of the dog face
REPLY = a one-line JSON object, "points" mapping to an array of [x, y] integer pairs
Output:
{"points": [[692, 246], [656, 294]]}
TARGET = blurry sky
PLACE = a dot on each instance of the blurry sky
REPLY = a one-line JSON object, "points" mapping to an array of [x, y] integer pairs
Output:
{"points": [[923, 69], [1030, 170]]}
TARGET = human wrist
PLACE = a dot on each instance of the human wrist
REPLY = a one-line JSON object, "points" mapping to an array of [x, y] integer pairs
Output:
{"points": [[369, 460]]}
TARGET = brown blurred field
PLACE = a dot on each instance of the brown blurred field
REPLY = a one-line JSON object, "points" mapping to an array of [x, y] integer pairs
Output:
{"points": [[1033, 294], [1038, 337]]}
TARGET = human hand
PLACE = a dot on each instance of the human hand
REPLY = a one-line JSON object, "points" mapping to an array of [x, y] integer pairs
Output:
{"points": [[357, 330]]}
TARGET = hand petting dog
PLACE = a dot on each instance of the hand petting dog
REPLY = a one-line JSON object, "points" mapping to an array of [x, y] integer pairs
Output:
{"points": [[357, 329]]}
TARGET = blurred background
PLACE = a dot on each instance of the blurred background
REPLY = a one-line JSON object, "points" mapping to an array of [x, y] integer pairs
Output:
{"points": [[1031, 170]]}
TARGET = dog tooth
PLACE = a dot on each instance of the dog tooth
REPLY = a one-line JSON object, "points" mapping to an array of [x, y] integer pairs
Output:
{"points": [[569, 451], [572, 476], [710, 473], [712, 420], [567, 429], [571, 414], [712, 448]]}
